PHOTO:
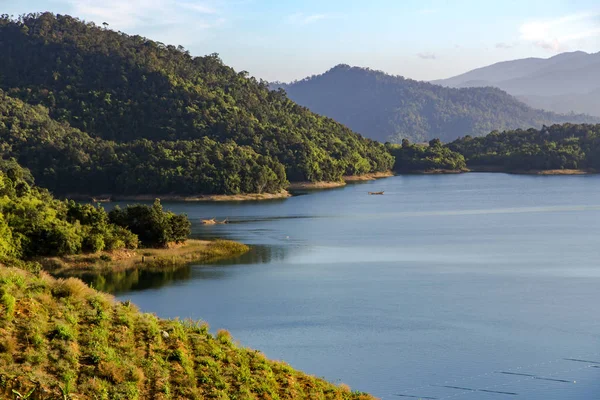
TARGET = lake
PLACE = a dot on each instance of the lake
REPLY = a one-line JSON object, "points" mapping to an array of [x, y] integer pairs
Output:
{"points": [[473, 286]]}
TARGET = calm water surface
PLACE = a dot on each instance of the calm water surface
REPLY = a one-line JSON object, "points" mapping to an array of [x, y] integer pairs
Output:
{"points": [[445, 287]]}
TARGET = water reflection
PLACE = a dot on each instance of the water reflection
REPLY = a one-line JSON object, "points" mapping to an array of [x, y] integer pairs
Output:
{"points": [[137, 280]]}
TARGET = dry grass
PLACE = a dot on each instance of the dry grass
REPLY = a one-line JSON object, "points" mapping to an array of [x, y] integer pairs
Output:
{"points": [[368, 177], [315, 185], [200, 251], [534, 171], [557, 172], [201, 197], [63, 340]]}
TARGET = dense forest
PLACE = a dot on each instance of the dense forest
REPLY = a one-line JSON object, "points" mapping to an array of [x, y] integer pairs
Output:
{"points": [[68, 161], [425, 158], [392, 108], [33, 223], [135, 116], [567, 146]]}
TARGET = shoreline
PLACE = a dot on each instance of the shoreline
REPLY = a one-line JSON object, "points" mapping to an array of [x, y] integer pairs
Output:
{"points": [[175, 256], [368, 177], [544, 172], [336, 184], [547, 172], [434, 172], [106, 198], [283, 194]]}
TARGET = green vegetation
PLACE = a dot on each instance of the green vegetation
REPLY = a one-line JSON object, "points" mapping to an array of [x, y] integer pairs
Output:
{"points": [[422, 158], [153, 226], [169, 258], [33, 223], [392, 108], [111, 113], [59, 339], [558, 147]]}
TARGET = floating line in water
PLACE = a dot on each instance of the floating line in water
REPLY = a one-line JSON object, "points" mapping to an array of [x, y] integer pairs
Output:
{"points": [[498, 392], [457, 387], [524, 377], [583, 361], [416, 397], [552, 379], [466, 389], [514, 373]]}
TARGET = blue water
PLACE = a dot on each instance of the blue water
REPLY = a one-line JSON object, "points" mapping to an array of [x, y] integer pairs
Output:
{"points": [[432, 290]]}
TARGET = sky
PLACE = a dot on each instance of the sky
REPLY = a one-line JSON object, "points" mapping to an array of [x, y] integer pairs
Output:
{"points": [[285, 40]]}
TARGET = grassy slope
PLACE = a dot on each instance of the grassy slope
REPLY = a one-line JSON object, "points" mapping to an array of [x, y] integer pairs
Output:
{"points": [[62, 339]]}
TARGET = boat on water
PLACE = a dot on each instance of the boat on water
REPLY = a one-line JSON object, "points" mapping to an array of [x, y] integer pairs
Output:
{"points": [[213, 221], [375, 193], [101, 200]]}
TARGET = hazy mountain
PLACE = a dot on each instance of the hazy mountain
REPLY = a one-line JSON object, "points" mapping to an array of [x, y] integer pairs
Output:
{"points": [[563, 83], [389, 108]]}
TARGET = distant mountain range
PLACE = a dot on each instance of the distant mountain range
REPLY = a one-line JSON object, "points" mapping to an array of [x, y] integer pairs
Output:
{"points": [[389, 108], [567, 82]]}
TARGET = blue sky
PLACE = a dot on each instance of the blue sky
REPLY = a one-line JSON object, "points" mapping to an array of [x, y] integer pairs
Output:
{"points": [[286, 40]]}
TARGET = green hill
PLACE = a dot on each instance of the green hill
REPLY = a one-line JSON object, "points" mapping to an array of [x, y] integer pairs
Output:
{"points": [[557, 147], [391, 108], [59, 339], [153, 105]]}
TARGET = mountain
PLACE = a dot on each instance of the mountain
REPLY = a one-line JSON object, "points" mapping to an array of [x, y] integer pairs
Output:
{"points": [[390, 108], [567, 82], [190, 124]]}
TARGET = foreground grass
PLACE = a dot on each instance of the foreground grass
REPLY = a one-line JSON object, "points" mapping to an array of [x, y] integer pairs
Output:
{"points": [[200, 251], [60, 339]]}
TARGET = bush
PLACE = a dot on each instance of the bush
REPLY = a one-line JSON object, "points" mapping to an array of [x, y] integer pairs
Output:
{"points": [[94, 243], [154, 226]]}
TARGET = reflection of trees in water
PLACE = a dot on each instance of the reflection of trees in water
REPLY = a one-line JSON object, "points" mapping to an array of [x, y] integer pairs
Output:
{"points": [[258, 255], [136, 280], [117, 282]]}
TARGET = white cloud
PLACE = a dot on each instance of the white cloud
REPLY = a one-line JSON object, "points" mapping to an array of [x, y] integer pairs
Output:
{"points": [[427, 56], [503, 45], [306, 19], [556, 34], [131, 14], [199, 8]]}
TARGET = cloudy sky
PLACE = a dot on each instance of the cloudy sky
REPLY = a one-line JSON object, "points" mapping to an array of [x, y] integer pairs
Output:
{"points": [[290, 39]]}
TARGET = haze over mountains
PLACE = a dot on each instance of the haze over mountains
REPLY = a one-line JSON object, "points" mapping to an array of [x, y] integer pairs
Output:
{"points": [[389, 108], [567, 82]]}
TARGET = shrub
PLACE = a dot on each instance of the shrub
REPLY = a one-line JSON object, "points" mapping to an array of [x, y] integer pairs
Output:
{"points": [[154, 226]]}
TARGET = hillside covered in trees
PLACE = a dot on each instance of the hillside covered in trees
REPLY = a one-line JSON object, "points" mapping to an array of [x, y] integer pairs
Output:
{"points": [[391, 108], [567, 146], [114, 113]]}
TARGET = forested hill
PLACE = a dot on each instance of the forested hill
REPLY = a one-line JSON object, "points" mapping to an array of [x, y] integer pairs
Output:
{"points": [[69, 161], [157, 102], [390, 108], [557, 147]]}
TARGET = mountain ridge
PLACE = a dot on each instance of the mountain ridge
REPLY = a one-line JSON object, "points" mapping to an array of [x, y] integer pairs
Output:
{"points": [[389, 107], [558, 80]]}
